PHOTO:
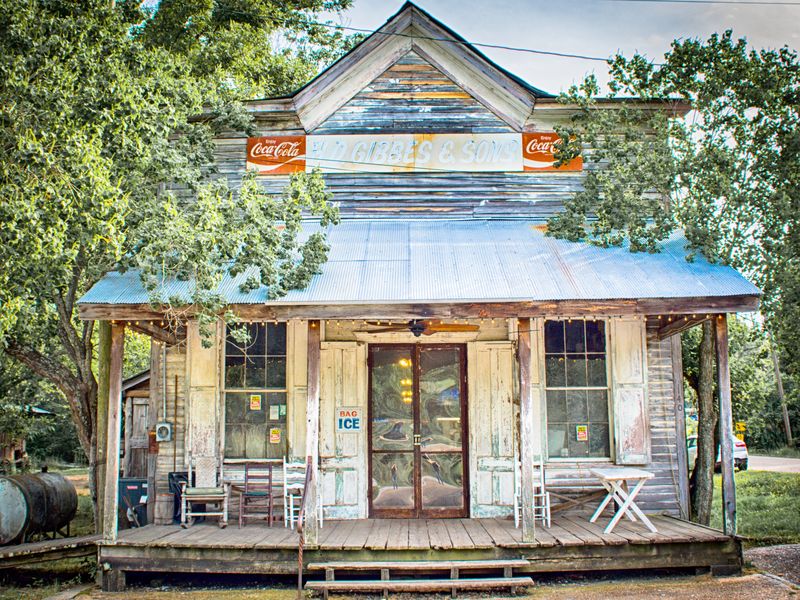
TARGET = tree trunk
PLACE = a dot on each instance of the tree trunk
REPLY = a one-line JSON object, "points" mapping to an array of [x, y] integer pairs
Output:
{"points": [[702, 483], [79, 389]]}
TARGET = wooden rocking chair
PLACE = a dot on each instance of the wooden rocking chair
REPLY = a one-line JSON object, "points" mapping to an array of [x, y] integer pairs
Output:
{"points": [[206, 487]]}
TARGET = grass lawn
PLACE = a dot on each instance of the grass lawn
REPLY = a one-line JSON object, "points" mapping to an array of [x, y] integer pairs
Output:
{"points": [[767, 507]]}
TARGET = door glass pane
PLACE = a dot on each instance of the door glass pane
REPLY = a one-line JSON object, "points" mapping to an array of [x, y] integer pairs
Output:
{"points": [[442, 481], [392, 399], [393, 480], [440, 400]]}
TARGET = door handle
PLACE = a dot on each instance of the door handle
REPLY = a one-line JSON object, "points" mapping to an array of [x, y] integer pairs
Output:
{"points": [[417, 439]]}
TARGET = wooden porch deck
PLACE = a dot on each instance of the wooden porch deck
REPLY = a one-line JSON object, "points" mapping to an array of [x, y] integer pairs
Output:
{"points": [[571, 544]]}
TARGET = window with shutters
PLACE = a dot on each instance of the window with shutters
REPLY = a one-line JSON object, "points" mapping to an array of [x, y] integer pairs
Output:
{"points": [[255, 393], [576, 380]]}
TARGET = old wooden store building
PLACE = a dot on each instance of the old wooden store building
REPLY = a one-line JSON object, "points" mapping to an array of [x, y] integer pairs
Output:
{"points": [[455, 386]]}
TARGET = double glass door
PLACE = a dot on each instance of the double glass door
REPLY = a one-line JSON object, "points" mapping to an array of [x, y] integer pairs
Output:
{"points": [[417, 431]]}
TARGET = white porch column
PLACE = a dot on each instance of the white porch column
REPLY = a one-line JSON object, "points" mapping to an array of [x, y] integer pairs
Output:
{"points": [[311, 527], [725, 426], [113, 432], [528, 420]]}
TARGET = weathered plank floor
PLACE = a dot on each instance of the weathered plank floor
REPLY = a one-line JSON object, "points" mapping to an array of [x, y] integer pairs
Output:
{"points": [[571, 544], [419, 534], [35, 552]]}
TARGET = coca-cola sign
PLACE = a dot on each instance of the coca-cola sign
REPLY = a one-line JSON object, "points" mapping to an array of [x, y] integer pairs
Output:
{"points": [[538, 153], [277, 155], [406, 152]]}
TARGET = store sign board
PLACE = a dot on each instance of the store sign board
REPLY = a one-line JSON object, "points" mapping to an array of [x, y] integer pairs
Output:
{"points": [[406, 152], [348, 419]]}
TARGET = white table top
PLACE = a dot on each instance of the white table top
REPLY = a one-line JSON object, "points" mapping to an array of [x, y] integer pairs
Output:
{"points": [[621, 473]]}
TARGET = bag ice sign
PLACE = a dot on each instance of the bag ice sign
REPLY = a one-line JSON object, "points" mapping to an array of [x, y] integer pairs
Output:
{"points": [[348, 419]]}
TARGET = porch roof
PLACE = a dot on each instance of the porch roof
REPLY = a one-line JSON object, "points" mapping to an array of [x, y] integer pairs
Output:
{"points": [[464, 261]]}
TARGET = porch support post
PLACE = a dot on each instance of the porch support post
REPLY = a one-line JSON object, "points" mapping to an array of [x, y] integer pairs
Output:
{"points": [[725, 426], [101, 424], [110, 507], [527, 421], [311, 526], [680, 425], [154, 402]]}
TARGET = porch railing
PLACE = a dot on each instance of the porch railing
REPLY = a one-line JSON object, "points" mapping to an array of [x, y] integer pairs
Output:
{"points": [[301, 517]]}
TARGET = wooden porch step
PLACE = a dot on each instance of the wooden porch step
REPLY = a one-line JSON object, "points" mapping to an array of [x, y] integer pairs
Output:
{"points": [[419, 585], [421, 565]]}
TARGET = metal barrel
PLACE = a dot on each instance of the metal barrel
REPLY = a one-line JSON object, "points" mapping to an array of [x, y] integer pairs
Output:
{"points": [[34, 503]]}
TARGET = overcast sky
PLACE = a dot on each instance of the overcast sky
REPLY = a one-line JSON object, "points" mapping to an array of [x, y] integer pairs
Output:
{"points": [[588, 27]]}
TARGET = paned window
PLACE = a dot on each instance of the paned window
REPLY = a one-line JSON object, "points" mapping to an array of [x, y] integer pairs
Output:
{"points": [[255, 393], [577, 389]]}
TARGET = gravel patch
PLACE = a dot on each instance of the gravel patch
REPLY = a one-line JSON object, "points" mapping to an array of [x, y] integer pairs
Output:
{"points": [[783, 561]]}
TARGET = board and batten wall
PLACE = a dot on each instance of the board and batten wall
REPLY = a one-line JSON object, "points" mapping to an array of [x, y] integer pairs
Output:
{"points": [[493, 413]]}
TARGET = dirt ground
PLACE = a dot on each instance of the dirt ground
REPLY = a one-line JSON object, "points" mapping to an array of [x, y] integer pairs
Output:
{"points": [[703, 587]]}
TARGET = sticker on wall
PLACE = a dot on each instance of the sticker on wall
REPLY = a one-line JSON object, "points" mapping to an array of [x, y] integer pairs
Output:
{"points": [[348, 419], [274, 412], [582, 433], [255, 401], [275, 435]]}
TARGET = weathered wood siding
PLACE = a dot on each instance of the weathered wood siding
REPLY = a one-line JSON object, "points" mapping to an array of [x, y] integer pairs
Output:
{"points": [[171, 454], [492, 423], [343, 456], [412, 95], [629, 390], [661, 494]]}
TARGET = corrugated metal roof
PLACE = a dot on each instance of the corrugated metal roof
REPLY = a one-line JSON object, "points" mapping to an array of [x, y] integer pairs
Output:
{"points": [[425, 260]]}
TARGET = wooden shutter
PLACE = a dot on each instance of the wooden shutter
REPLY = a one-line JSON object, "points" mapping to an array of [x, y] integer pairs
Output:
{"points": [[629, 391], [343, 456], [492, 427], [203, 407]]}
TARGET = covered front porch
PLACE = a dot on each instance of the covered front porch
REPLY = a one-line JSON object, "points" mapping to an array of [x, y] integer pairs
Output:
{"points": [[572, 543]]}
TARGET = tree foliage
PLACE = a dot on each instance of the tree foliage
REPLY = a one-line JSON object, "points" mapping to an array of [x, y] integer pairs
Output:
{"points": [[98, 108], [728, 175]]}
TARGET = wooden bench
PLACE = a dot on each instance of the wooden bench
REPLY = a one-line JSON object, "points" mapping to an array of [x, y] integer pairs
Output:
{"points": [[419, 584]]}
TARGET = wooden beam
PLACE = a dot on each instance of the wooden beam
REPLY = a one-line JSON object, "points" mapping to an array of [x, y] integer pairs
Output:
{"points": [[679, 324], [311, 527], [680, 425], [155, 400], [103, 364], [138, 393], [154, 331], [528, 420], [725, 426], [453, 310], [113, 433]]}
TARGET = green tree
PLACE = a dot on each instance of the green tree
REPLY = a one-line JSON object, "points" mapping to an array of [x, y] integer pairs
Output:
{"points": [[729, 176], [98, 107]]}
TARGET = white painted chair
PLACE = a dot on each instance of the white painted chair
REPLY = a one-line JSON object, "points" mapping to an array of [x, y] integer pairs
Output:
{"points": [[541, 497], [294, 481]]}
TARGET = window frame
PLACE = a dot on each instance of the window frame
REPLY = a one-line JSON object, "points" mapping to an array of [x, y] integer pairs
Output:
{"points": [[610, 458], [224, 391]]}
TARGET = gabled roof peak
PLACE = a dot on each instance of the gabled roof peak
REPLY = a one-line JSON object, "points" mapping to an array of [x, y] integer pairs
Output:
{"points": [[412, 28]]}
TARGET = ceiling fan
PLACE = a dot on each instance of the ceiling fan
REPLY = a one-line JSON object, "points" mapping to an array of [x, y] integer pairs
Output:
{"points": [[421, 327]]}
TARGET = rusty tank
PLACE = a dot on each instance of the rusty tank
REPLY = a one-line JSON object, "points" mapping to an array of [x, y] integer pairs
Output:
{"points": [[34, 503]]}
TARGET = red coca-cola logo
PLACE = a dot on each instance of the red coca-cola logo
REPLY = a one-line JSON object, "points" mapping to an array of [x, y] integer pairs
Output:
{"points": [[541, 146], [538, 153], [275, 149], [277, 155]]}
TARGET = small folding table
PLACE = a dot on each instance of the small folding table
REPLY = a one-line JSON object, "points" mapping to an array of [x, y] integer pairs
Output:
{"points": [[623, 485]]}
